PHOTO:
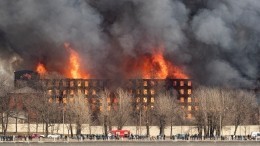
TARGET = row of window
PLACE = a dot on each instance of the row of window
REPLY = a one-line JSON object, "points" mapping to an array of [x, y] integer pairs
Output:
{"points": [[152, 83], [137, 99], [72, 92], [80, 83], [189, 107], [182, 83], [144, 91], [109, 106], [189, 99], [152, 91], [182, 91], [144, 100], [109, 100], [72, 83], [94, 92], [87, 100]]}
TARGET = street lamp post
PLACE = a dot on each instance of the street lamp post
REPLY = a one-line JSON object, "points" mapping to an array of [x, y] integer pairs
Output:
{"points": [[220, 120], [259, 117], [63, 120], [222, 111], [140, 120], [220, 125]]}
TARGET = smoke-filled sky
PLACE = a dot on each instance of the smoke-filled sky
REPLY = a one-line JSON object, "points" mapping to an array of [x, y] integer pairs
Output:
{"points": [[216, 42]]}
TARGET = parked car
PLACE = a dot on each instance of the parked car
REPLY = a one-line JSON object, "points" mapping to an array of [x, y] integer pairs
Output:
{"points": [[20, 136], [36, 135], [53, 136], [240, 137], [180, 136], [255, 135]]}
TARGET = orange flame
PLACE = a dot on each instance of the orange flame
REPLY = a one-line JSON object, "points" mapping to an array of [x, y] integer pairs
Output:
{"points": [[176, 72], [74, 64], [41, 69], [147, 66], [155, 66]]}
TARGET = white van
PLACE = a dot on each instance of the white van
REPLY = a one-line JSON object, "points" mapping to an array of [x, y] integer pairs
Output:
{"points": [[255, 135]]}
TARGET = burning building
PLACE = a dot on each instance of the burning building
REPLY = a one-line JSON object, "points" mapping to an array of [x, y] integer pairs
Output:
{"points": [[155, 75], [144, 91], [213, 45]]}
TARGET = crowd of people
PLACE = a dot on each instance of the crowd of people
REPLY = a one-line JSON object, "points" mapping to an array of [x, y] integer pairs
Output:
{"points": [[84, 137]]}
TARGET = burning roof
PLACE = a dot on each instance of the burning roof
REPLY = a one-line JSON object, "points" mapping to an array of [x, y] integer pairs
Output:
{"points": [[145, 66]]}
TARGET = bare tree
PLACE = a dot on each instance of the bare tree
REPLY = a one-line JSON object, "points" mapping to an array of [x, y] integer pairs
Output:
{"points": [[5, 89], [218, 107], [176, 114], [106, 112], [244, 103], [80, 109], [20, 105], [122, 108], [45, 106], [166, 110], [148, 117], [69, 118], [213, 108]]}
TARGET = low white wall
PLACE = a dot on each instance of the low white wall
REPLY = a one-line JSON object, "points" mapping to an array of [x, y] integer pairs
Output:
{"points": [[154, 130]]}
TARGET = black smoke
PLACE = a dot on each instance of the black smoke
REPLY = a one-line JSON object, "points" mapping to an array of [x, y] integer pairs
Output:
{"points": [[215, 42]]}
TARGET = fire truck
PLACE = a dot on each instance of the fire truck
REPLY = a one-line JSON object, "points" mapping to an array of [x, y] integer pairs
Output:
{"points": [[121, 133]]}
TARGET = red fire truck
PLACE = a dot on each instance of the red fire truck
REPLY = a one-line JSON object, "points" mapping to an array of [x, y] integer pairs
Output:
{"points": [[121, 133]]}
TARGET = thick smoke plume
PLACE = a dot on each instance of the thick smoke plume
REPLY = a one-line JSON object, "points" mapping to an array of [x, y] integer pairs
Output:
{"points": [[214, 42]]}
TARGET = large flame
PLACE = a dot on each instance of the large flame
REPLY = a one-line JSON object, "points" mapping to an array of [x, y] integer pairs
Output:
{"points": [[74, 70], [153, 66], [41, 69], [148, 66]]}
